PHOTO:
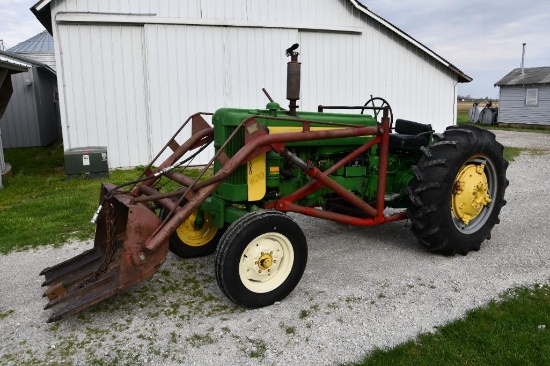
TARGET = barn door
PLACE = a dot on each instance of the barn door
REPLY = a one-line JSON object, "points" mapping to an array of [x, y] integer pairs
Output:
{"points": [[203, 68], [103, 91]]}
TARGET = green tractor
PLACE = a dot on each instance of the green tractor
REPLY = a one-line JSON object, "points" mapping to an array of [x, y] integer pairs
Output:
{"points": [[359, 169]]}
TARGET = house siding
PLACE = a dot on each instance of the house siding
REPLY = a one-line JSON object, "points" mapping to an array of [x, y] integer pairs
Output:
{"points": [[512, 108]]}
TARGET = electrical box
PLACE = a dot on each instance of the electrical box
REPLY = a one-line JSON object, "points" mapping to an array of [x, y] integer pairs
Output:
{"points": [[87, 162]]}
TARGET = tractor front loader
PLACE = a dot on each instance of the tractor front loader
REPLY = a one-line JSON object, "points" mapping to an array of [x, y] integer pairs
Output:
{"points": [[348, 168]]}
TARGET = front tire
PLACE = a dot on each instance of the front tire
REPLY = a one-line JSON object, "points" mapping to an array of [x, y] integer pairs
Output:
{"points": [[260, 258], [458, 190]]}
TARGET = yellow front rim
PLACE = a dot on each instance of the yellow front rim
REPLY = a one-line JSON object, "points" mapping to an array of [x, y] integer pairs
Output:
{"points": [[470, 192], [195, 236]]}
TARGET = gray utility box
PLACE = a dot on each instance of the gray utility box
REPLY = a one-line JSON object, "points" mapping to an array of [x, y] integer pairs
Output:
{"points": [[87, 162]]}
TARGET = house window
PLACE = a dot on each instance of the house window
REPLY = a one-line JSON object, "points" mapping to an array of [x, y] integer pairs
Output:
{"points": [[531, 97]]}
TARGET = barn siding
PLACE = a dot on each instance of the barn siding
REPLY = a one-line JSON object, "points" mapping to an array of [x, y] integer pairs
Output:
{"points": [[327, 12], [105, 91], [512, 107], [188, 68], [212, 67]]}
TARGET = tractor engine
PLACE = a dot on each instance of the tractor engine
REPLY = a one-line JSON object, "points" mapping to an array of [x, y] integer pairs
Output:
{"points": [[270, 176]]}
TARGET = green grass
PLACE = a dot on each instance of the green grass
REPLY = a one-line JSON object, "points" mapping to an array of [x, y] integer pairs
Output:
{"points": [[462, 117], [38, 205], [512, 331]]}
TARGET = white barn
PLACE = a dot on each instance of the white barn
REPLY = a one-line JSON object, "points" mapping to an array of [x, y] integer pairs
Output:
{"points": [[131, 71]]}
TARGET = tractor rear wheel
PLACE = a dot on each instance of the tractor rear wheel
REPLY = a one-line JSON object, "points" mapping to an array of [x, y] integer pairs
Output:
{"points": [[260, 258], [458, 190]]}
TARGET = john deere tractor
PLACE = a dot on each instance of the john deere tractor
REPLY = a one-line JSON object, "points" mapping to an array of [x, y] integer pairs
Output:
{"points": [[360, 168]]}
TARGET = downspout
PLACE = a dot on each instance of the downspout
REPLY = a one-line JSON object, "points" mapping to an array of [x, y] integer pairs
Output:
{"points": [[62, 88]]}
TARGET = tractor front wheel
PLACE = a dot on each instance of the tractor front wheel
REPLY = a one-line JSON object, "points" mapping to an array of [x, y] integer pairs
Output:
{"points": [[458, 190], [260, 258]]}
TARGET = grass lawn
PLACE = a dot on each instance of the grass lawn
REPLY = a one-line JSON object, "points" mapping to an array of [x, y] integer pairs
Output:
{"points": [[38, 205], [512, 331]]}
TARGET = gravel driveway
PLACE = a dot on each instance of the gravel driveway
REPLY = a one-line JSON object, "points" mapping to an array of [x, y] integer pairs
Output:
{"points": [[363, 288]]}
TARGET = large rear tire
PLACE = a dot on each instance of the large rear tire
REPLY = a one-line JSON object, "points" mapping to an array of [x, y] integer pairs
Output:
{"points": [[260, 258], [458, 190]]}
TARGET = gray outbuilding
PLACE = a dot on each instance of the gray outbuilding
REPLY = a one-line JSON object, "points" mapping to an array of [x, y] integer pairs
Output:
{"points": [[9, 66], [32, 115], [525, 97]]}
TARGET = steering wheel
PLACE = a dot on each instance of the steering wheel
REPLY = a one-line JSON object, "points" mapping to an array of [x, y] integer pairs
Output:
{"points": [[381, 103]]}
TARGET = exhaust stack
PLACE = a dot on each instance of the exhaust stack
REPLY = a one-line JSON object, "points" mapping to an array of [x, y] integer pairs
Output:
{"points": [[293, 75], [523, 58]]}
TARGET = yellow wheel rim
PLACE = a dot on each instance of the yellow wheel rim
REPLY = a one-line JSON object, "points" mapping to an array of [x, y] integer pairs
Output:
{"points": [[194, 236], [470, 192]]}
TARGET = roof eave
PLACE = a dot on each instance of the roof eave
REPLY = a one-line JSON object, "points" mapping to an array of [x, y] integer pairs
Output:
{"points": [[13, 63], [42, 12]]}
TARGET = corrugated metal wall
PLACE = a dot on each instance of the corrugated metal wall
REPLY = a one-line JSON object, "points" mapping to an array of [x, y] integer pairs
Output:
{"points": [[325, 12], [512, 107], [210, 68], [31, 117], [187, 68], [20, 121], [45, 58], [105, 91], [47, 107]]}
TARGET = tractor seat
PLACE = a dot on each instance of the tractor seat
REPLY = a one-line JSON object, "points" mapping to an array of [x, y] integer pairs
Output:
{"points": [[409, 136]]}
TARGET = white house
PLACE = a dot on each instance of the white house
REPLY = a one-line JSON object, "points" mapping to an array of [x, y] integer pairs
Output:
{"points": [[131, 71]]}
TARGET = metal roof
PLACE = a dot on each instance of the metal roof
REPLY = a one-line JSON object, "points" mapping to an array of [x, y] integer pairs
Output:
{"points": [[530, 76], [43, 13], [41, 43], [18, 61], [13, 62]]}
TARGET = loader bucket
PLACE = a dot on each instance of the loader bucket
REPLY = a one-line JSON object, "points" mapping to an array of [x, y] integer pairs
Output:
{"points": [[111, 266]]}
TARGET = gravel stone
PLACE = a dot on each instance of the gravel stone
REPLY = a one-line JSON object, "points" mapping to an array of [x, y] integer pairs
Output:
{"points": [[363, 288]]}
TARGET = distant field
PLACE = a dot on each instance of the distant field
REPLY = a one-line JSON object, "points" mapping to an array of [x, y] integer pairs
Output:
{"points": [[464, 106]]}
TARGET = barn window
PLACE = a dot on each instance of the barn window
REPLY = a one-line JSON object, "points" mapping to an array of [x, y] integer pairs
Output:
{"points": [[531, 97]]}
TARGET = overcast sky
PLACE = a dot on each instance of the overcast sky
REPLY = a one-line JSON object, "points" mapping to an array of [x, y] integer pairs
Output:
{"points": [[482, 38]]}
